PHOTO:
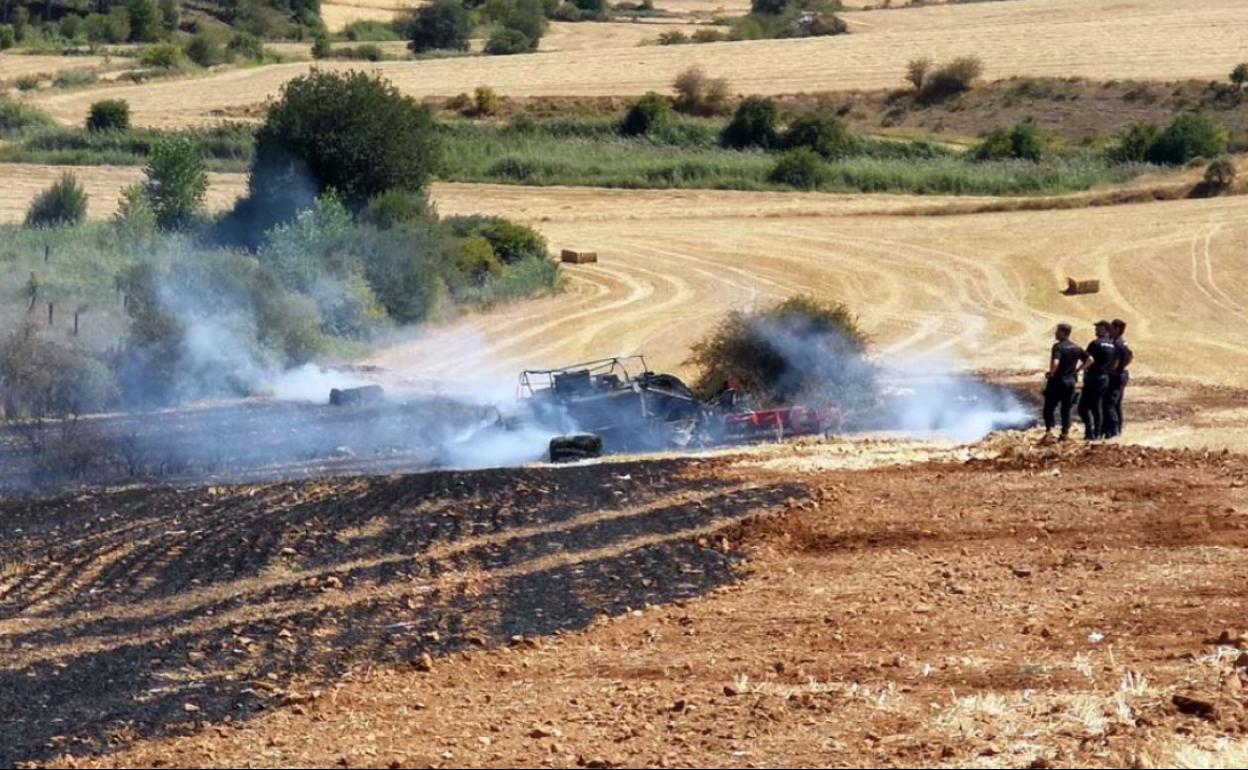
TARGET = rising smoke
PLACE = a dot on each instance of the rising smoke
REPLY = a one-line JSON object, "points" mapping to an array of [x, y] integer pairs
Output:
{"points": [[918, 395]]}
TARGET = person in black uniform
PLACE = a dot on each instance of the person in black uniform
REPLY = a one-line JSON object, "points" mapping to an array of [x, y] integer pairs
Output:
{"points": [[1065, 362], [1096, 382], [1118, 378]]}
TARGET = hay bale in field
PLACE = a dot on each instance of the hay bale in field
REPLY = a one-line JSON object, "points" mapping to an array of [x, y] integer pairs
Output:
{"points": [[1084, 286], [578, 257]]}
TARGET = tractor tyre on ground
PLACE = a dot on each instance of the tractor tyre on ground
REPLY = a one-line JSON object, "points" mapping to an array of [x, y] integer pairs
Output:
{"points": [[579, 446]]}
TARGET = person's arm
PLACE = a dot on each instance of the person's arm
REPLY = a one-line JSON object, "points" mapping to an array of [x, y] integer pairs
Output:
{"points": [[1054, 362]]}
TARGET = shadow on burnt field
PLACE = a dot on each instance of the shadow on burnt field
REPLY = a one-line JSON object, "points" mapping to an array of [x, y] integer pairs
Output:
{"points": [[147, 612]]}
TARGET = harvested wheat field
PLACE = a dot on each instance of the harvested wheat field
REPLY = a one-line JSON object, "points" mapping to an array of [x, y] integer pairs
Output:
{"points": [[21, 182], [14, 66], [982, 290], [1152, 39], [337, 15], [596, 36]]}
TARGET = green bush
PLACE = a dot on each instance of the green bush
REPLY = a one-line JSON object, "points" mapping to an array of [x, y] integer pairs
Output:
{"points": [[145, 21], [673, 37], [753, 125], [956, 77], [1023, 142], [801, 168], [370, 32], [1188, 137], [246, 46], [64, 203], [484, 102], [321, 47], [708, 36], [475, 259], [135, 218], [798, 351], [27, 82], [112, 28], [823, 133], [176, 182], [164, 56], [1135, 144], [507, 41], [170, 15], [71, 26], [205, 49], [440, 25], [646, 115], [397, 208], [7, 37], [109, 115], [21, 23], [511, 242], [17, 118], [352, 132], [365, 52]]}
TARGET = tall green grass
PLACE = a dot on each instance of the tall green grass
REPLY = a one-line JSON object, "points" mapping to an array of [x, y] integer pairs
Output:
{"points": [[226, 148], [589, 151], [686, 154]]}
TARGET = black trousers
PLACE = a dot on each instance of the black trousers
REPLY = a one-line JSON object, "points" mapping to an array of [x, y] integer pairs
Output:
{"points": [[1058, 391], [1092, 405], [1112, 403]]}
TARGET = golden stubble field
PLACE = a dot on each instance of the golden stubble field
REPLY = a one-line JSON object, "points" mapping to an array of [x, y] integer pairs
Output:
{"points": [[1109, 39], [980, 291]]}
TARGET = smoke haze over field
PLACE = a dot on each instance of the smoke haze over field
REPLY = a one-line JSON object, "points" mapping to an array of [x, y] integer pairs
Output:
{"points": [[915, 394]]}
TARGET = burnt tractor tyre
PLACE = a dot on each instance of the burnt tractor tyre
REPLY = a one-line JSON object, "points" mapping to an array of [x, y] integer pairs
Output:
{"points": [[581, 446]]}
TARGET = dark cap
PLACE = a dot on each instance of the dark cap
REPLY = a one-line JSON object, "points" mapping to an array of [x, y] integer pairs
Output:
{"points": [[1064, 328], [1102, 324], [1119, 324]]}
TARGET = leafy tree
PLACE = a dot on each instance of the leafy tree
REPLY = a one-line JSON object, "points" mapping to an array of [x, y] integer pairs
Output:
{"points": [[824, 134], [353, 132], [1239, 75], [1188, 136], [1134, 145], [645, 115], [442, 24], [64, 203], [109, 115], [145, 21], [753, 125], [507, 41], [205, 49], [7, 37], [176, 182], [169, 15]]}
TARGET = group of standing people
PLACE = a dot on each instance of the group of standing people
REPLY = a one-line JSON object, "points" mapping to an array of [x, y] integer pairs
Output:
{"points": [[1104, 365]]}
